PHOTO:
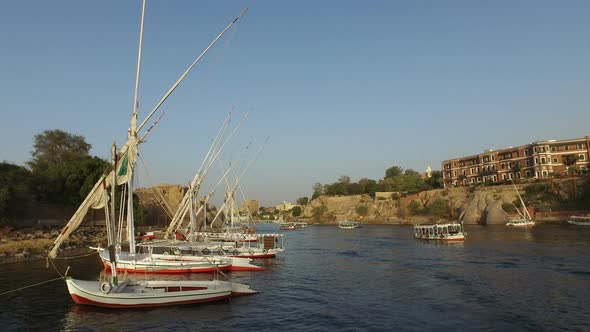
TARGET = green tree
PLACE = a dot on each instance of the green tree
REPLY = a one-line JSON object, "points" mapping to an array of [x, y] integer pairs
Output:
{"points": [[570, 161], [393, 171], [362, 210], [319, 212], [63, 171], [414, 208], [296, 211], [317, 190], [303, 200], [15, 197], [56, 148], [439, 207], [435, 180]]}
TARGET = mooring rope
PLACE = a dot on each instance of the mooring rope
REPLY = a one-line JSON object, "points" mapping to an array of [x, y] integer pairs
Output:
{"points": [[29, 286]]}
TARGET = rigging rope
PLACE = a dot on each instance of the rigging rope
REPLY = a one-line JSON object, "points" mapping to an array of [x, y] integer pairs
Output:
{"points": [[29, 286], [159, 196]]}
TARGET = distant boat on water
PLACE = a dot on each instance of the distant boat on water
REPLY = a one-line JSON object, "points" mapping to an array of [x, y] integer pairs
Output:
{"points": [[579, 220], [444, 232], [349, 224], [525, 219]]}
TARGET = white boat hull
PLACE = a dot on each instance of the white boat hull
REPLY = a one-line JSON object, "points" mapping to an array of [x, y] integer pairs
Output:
{"points": [[153, 293], [520, 223], [143, 263], [579, 221]]}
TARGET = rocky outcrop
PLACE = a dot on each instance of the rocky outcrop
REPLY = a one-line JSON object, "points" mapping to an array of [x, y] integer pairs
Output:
{"points": [[481, 205], [33, 243]]}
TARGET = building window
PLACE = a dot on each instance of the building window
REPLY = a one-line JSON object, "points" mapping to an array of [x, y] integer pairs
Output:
{"points": [[526, 152], [566, 148], [581, 157], [492, 157], [472, 180], [535, 149], [516, 154], [536, 160], [527, 162], [528, 174], [581, 146], [454, 173], [553, 148], [544, 174], [543, 160], [555, 160]]}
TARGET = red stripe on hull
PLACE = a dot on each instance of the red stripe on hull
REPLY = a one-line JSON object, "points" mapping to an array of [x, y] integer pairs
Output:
{"points": [[245, 268], [83, 300]]}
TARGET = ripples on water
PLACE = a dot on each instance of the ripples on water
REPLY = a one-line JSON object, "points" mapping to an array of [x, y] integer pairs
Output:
{"points": [[372, 278]]}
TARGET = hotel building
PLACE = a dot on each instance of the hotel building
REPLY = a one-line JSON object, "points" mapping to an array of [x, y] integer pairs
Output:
{"points": [[536, 160]]}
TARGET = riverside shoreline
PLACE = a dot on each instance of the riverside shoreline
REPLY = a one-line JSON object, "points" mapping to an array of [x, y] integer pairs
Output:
{"points": [[34, 243]]}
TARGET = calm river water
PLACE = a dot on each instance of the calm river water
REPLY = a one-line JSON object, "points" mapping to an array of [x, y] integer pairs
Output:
{"points": [[376, 278]]}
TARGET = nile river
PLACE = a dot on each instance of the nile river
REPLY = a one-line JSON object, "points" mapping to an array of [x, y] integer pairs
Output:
{"points": [[376, 278]]}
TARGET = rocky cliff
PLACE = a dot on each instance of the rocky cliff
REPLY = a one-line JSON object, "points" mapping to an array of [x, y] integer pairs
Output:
{"points": [[482, 205]]}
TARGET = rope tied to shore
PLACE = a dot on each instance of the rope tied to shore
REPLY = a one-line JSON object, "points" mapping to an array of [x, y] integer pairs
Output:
{"points": [[29, 286]]}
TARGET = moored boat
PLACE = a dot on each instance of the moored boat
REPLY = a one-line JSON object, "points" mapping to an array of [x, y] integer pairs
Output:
{"points": [[441, 232], [131, 293], [152, 293], [524, 219], [349, 224], [287, 226], [579, 220]]}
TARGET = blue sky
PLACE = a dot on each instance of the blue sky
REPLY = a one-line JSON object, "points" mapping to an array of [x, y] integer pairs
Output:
{"points": [[341, 87]]}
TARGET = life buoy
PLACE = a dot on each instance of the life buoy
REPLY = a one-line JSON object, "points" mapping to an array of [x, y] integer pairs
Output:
{"points": [[106, 287], [165, 253], [205, 251], [251, 252], [265, 251]]}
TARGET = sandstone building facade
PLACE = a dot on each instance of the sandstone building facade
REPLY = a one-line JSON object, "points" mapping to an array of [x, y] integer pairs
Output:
{"points": [[538, 160]]}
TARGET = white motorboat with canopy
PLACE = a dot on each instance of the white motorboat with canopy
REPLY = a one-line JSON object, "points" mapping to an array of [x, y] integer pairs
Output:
{"points": [[130, 293], [349, 224], [441, 232], [579, 220]]}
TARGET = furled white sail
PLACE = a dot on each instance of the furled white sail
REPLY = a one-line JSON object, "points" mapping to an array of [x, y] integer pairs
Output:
{"points": [[97, 197]]}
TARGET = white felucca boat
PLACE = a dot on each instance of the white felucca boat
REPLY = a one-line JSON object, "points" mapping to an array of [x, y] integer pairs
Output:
{"points": [[233, 243], [131, 293], [525, 219]]}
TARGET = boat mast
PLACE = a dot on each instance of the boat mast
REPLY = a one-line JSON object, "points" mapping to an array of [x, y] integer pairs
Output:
{"points": [[133, 132], [112, 254], [525, 213], [189, 69]]}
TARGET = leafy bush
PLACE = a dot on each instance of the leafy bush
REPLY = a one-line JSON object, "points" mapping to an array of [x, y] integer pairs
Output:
{"points": [[414, 208], [362, 210], [296, 211], [438, 207]]}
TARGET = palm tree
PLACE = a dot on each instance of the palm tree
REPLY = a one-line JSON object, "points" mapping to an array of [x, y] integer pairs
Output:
{"points": [[570, 160]]}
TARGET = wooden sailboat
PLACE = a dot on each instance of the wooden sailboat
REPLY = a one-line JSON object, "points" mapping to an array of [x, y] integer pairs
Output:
{"points": [[525, 219], [132, 293]]}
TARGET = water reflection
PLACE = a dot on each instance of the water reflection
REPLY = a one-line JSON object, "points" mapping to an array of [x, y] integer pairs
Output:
{"points": [[500, 278]]}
